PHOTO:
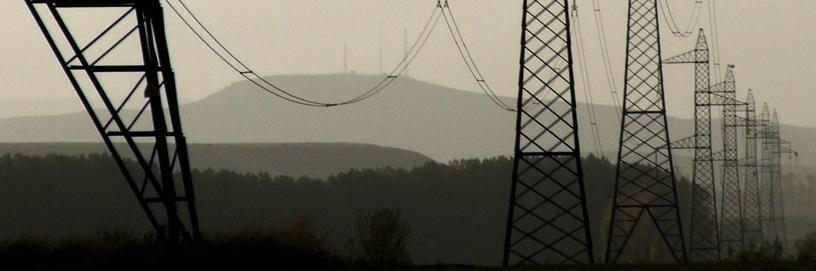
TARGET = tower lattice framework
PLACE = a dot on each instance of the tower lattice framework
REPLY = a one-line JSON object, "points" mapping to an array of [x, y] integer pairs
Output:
{"points": [[752, 209], [704, 242], [123, 76], [645, 181], [731, 218], [547, 221], [769, 231], [777, 208]]}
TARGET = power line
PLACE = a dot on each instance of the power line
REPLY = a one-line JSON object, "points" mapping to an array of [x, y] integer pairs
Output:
{"points": [[610, 76], [672, 21], [239, 67], [231, 60], [715, 37], [468, 58], [587, 89]]}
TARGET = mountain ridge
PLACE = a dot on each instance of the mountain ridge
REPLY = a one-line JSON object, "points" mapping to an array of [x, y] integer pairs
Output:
{"points": [[440, 122]]}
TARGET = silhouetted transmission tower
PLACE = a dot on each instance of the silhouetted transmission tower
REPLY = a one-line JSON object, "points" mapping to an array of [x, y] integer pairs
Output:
{"points": [[777, 202], [125, 65], [731, 224], [645, 181], [547, 221], [705, 238], [769, 232], [752, 209]]}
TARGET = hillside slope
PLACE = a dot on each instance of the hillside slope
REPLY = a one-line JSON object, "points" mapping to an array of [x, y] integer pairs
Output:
{"points": [[440, 122]]}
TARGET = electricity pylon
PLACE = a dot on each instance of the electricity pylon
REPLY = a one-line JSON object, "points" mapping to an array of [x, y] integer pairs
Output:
{"points": [[125, 65], [752, 209], [777, 197], [772, 150], [704, 242], [767, 196], [547, 222], [645, 181], [731, 225]]}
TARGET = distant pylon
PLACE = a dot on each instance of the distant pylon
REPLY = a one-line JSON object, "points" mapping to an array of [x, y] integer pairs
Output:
{"points": [[731, 225], [752, 209], [777, 196], [645, 180], [769, 231], [704, 241], [547, 222]]}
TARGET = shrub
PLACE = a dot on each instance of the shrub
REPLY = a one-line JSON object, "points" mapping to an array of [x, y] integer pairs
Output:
{"points": [[382, 238], [806, 247], [762, 252]]}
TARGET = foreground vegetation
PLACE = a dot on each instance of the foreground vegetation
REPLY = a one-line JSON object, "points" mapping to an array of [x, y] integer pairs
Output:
{"points": [[289, 247], [450, 214], [457, 211]]}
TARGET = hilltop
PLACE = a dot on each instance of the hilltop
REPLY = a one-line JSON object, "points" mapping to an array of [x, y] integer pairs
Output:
{"points": [[434, 120]]}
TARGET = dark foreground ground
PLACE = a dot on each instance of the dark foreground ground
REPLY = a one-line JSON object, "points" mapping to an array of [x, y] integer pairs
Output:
{"points": [[787, 266]]}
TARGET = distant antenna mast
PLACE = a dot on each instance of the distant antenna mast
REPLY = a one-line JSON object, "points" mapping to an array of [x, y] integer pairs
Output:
{"points": [[345, 58]]}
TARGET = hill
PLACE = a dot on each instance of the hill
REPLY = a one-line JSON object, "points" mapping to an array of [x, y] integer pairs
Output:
{"points": [[440, 122], [316, 160]]}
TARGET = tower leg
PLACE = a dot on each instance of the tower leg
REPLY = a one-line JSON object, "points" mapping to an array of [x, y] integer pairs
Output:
{"points": [[645, 181], [547, 221], [125, 81]]}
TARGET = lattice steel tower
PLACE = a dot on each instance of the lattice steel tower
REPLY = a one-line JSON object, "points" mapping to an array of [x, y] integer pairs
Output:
{"points": [[777, 197], [752, 209], [704, 244], [769, 232], [731, 208], [122, 75], [645, 181], [547, 221]]}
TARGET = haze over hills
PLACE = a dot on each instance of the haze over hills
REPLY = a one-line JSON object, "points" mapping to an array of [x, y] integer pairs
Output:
{"points": [[437, 121]]}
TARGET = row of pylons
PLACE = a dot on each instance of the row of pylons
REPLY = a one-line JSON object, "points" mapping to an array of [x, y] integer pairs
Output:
{"points": [[736, 196], [750, 211]]}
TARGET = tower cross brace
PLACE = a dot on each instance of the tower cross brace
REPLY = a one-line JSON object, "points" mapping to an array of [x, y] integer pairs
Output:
{"points": [[704, 242], [731, 219], [139, 120], [752, 210], [645, 186], [547, 222]]}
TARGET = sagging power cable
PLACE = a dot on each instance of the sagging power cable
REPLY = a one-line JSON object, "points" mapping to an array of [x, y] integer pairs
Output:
{"points": [[715, 38], [586, 86], [195, 25], [607, 61], [672, 21], [468, 58]]}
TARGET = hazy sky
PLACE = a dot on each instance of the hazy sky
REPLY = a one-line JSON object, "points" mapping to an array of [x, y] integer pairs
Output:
{"points": [[769, 41]]}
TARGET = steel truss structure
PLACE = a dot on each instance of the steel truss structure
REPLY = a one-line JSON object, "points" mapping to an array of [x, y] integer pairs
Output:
{"points": [[731, 217], [752, 209], [547, 222], [773, 150], [704, 242], [645, 181], [766, 184], [139, 120]]}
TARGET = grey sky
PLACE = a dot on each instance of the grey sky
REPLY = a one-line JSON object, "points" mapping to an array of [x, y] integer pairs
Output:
{"points": [[769, 41]]}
